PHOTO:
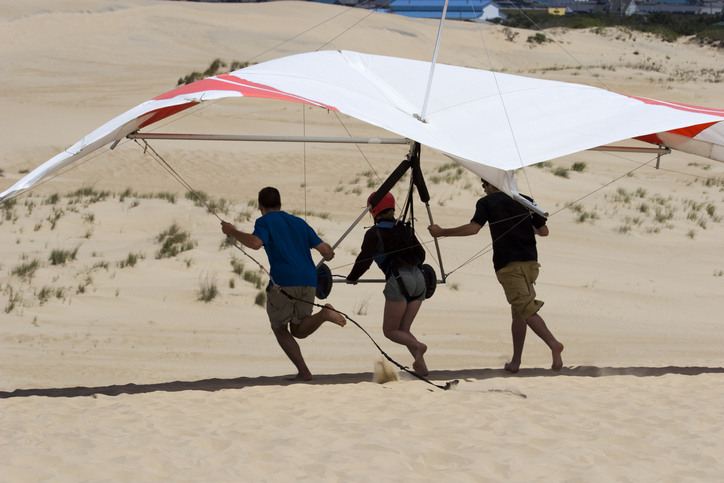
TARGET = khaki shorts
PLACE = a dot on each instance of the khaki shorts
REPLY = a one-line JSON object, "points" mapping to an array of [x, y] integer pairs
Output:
{"points": [[281, 310], [517, 279]]}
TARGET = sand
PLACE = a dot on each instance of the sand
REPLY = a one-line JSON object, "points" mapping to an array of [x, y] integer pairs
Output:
{"points": [[114, 371]]}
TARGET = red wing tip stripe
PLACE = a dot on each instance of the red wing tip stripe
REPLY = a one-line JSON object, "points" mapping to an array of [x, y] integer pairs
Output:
{"points": [[682, 107]]}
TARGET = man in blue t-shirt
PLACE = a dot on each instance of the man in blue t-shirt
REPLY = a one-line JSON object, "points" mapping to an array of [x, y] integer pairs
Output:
{"points": [[515, 259], [287, 240]]}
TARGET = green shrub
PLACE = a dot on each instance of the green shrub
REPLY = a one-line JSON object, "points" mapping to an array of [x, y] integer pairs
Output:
{"points": [[260, 298], [561, 171], [26, 270], [254, 278], [52, 199], [538, 38], [544, 165], [54, 217], [130, 260], [14, 298], [237, 266], [213, 69], [208, 289], [59, 257], [45, 293], [174, 241]]}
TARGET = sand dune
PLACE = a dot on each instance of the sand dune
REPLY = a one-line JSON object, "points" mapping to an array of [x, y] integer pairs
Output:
{"points": [[112, 369]]}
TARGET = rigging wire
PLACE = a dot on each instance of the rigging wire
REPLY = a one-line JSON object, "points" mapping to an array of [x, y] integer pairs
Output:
{"points": [[507, 117], [505, 108], [343, 12], [379, 178], [304, 158], [348, 29], [561, 47], [358, 148], [488, 247], [147, 147]]}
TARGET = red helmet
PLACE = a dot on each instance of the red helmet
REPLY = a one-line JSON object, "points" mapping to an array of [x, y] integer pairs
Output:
{"points": [[388, 201]]}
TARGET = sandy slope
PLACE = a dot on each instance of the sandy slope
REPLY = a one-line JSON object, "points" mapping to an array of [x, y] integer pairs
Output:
{"points": [[121, 373]]}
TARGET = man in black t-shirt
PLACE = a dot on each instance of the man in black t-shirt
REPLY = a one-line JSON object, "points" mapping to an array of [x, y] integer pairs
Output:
{"points": [[515, 259]]}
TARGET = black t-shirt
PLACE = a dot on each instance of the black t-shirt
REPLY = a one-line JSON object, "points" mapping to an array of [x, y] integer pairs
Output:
{"points": [[511, 227]]}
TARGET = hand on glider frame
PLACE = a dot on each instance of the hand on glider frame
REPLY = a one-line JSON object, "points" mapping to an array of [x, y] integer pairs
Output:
{"points": [[435, 231]]}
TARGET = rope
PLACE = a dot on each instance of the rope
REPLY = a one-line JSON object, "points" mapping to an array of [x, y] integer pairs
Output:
{"points": [[487, 248], [448, 385], [185, 184], [604, 186], [349, 28]]}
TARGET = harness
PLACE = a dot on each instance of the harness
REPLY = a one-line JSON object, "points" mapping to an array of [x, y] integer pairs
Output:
{"points": [[394, 259]]}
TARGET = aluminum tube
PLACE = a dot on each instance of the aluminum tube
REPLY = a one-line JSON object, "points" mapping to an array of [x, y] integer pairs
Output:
{"points": [[287, 139]]}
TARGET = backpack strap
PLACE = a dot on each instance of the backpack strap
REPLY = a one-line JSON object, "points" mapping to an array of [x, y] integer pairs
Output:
{"points": [[390, 267]]}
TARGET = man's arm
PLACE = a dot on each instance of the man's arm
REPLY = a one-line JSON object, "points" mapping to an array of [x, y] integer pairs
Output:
{"points": [[325, 250], [246, 239], [471, 228], [542, 231]]}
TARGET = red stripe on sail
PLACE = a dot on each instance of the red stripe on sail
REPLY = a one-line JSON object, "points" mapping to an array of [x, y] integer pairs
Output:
{"points": [[165, 112], [692, 131], [681, 107], [650, 138], [689, 132], [227, 82]]}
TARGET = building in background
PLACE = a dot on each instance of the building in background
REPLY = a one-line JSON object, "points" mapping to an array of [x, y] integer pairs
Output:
{"points": [[472, 10]]}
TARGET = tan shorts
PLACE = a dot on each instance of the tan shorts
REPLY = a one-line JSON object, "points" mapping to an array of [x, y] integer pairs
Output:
{"points": [[281, 310], [518, 279]]}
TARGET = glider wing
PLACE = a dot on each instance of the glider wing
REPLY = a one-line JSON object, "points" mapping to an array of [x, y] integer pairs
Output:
{"points": [[491, 123]]}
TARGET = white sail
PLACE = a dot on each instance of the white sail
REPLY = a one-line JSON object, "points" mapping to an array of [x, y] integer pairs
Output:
{"points": [[491, 123]]}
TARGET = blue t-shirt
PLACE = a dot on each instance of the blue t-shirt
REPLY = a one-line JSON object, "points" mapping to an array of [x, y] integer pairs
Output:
{"points": [[287, 240]]}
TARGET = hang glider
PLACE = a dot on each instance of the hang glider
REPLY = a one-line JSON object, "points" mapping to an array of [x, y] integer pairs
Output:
{"points": [[490, 123]]}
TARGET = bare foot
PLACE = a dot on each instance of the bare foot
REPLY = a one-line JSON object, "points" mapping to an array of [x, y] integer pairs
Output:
{"points": [[300, 377], [331, 315], [514, 368], [419, 365], [557, 360]]}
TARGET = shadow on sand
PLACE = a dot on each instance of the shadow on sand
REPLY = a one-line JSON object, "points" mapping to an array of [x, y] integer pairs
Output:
{"points": [[329, 379]]}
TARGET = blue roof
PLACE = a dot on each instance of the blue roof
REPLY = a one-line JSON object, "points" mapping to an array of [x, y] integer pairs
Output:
{"points": [[430, 8], [448, 14]]}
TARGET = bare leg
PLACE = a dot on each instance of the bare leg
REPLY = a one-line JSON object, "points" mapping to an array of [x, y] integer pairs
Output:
{"points": [[398, 318], [538, 325], [285, 337], [291, 348], [518, 328], [310, 324]]}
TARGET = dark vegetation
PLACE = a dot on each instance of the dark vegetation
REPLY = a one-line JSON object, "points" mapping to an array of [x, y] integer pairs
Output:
{"points": [[668, 26], [216, 67], [174, 240]]}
